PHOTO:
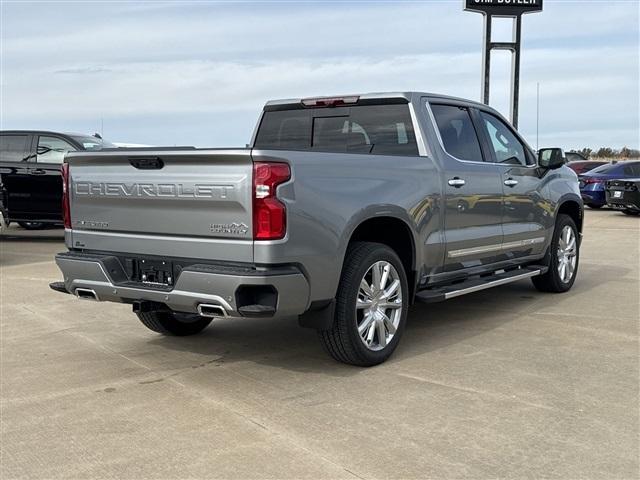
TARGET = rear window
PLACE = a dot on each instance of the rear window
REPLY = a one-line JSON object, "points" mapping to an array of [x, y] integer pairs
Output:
{"points": [[632, 169], [608, 168], [91, 142], [377, 129]]}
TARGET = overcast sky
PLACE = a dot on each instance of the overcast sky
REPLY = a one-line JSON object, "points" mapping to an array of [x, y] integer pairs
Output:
{"points": [[198, 73]]}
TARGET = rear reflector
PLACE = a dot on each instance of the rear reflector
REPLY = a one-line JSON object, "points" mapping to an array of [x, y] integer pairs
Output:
{"points": [[329, 101], [269, 213], [66, 209]]}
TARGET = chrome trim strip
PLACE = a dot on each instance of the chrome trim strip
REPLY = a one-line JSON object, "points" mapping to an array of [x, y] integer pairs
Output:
{"points": [[495, 283], [496, 247], [423, 149]]}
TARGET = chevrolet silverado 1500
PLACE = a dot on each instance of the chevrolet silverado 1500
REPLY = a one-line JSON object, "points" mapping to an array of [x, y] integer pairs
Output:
{"points": [[342, 211]]}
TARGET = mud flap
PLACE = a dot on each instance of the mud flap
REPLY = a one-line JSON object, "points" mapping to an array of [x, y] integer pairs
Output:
{"points": [[319, 316]]}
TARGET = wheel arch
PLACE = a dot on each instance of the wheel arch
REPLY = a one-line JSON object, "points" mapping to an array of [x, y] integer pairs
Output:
{"points": [[366, 227], [574, 208], [392, 230]]}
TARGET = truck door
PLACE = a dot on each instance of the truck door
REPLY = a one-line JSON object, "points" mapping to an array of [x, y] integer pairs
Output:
{"points": [[472, 188], [46, 178], [14, 171], [527, 218]]}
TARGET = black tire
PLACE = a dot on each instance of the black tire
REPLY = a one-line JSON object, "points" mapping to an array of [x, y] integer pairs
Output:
{"points": [[594, 206], [32, 225], [551, 281], [172, 323], [631, 212], [342, 341]]}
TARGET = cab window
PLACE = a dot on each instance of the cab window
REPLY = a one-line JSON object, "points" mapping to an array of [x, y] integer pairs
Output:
{"points": [[52, 149], [12, 148], [375, 129], [505, 145], [458, 135]]}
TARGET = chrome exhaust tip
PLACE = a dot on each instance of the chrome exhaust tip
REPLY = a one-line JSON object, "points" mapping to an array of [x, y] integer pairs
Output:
{"points": [[86, 294], [211, 310]]}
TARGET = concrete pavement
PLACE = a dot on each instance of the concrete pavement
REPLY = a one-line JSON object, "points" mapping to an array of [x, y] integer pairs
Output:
{"points": [[506, 383]]}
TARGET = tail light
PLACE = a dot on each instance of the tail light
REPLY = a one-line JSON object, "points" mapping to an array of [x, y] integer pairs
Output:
{"points": [[269, 213], [66, 209], [588, 180]]}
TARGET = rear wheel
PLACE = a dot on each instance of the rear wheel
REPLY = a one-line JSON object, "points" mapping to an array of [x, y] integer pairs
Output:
{"points": [[173, 323], [371, 306], [563, 255]]}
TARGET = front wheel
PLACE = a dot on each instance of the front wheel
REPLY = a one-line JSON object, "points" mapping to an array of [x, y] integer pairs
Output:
{"points": [[631, 212], [563, 258], [32, 225], [173, 323], [371, 306]]}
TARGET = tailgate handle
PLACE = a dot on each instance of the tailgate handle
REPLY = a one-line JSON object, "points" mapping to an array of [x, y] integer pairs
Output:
{"points": [[147, 163]]}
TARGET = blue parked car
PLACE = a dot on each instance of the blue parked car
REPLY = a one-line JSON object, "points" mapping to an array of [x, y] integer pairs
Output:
{"points": [[592, 183]]}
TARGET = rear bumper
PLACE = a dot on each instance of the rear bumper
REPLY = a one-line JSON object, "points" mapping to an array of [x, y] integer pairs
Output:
{"points": [[197, 284], [593, 197], [628, 201]]}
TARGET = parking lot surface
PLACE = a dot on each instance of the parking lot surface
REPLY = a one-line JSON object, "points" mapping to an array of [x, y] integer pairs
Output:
{"points": [[506, 383]]}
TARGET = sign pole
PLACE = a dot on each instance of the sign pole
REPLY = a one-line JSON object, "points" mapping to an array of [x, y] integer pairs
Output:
{"points": [[515, 72], [486, 60], [513, 9]]}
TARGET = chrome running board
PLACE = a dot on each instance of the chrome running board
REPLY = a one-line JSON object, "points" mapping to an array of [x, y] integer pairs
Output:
{"points": [[476, 284]]}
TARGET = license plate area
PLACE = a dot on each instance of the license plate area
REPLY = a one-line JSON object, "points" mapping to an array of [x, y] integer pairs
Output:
{"points": [[150, 272], [617, 194]]}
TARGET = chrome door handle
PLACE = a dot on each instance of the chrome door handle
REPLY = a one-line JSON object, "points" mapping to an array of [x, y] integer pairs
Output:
{"points": [[510, 182], [456, 182], [38, 171]]}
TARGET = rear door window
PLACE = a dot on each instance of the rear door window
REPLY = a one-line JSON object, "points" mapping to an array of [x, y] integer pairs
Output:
{"points": [[52, 149], [377, 129], [458, 134], [13, 148]]}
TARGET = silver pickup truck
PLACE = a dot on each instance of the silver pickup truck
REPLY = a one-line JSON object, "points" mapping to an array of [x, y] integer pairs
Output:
{"points": [[342, 211]]}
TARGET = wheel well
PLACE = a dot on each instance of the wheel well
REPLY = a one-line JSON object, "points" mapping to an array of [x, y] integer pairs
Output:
{"points": [[394, 233], [572, 209]]}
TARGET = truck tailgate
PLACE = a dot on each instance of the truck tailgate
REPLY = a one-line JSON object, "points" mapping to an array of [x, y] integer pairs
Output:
{"points": [[176, 203]]}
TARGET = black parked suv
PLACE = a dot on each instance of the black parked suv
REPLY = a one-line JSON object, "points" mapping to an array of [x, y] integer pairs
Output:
{"points": [[30, 179]]}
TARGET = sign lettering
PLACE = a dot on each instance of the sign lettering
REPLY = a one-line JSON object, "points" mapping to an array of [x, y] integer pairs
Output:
{"points": [[504, 7]]}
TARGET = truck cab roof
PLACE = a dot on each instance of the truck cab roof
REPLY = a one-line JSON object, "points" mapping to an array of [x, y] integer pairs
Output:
{"points": [[372, 97]]}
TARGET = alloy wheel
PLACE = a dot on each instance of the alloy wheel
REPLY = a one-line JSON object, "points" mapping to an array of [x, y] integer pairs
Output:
{"points": [[567, 254], [379, 305]]}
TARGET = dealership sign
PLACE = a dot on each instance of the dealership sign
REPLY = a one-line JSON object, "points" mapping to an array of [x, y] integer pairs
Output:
{"points": [[503, 7]]}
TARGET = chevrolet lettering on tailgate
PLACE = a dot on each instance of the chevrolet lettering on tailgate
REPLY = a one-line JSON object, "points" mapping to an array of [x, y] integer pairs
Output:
{"points": [[179, 190]]}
